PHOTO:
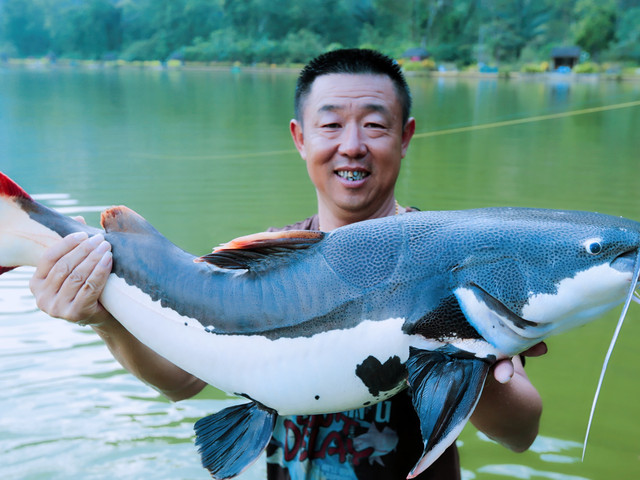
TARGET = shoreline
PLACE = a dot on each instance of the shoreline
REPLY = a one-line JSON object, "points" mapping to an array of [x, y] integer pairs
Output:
{"points": [[236, 67]]}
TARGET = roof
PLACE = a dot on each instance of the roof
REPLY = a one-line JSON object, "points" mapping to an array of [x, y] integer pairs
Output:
{"points": [[415, 52], [565, 52]]}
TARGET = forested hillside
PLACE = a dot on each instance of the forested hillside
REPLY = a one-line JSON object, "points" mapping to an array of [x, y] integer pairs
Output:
{"points": [[284, 31]]}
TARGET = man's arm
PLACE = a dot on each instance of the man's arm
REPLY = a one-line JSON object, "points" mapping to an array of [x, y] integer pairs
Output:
{"points": [[67, 284], [510, 412]]}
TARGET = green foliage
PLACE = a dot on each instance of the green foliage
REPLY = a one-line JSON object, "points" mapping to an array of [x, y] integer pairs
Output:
{"points": [[587, 67], [463, 32], [419, 66], [97, 29], [596, 25], [627, 45], [515, 24], [534, 67], [302, 46], [23, 25]]}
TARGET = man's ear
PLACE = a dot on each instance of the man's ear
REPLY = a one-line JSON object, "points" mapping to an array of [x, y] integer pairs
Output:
{"points": [[295, 128], [407, 133]]}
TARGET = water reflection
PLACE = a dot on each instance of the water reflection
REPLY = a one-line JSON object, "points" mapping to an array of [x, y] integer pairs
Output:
{"points": [[556, 450], [523, 472], [549, 450], [206, 156], [71, 411]]}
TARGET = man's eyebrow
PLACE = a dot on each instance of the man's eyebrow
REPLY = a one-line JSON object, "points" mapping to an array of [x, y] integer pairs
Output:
{"points": [[328, 108], [374, 107]]}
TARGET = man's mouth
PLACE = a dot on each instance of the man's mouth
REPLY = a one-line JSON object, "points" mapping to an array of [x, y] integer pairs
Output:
{"points": [[351, 175]]}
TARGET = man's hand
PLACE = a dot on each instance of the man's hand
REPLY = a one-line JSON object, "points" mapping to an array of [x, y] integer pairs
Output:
{"points": [[504, 369], [510, 407], [70, 277]]}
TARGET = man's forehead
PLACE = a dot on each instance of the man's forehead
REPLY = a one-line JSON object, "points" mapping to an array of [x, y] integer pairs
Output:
{"points": [[336, 90], [347, 82]]}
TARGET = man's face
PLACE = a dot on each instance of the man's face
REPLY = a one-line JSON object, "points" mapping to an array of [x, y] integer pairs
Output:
{"points": [[352, 138]]}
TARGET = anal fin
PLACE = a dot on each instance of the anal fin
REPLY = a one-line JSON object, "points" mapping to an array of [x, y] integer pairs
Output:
{"points": [[445, 388], [232, 439]]}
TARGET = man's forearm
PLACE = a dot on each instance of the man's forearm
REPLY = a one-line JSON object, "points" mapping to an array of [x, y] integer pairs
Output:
{"points": [[510, 413], [144, 363]]}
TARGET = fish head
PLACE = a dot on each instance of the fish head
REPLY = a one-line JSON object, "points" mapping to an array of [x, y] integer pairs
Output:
{"points": [[528, 274]]}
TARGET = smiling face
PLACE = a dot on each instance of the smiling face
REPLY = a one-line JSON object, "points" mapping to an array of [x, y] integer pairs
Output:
{"points": [[352, 138]]}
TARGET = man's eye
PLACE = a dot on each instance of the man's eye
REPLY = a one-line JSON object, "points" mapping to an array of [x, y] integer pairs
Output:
{"points": [[331, 125], [374, 125]]}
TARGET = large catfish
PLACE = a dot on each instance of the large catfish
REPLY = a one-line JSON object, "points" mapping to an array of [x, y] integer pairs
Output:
{"points": [[312, 322]]}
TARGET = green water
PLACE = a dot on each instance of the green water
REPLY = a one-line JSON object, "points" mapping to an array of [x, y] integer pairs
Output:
{"points": [[206, 156]]}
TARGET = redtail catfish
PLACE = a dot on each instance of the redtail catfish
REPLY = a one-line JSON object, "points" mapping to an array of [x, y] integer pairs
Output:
{"points": [[313, 322]]}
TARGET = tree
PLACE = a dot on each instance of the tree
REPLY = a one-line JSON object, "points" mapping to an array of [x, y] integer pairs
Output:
{"points": [[23, 25], [96, 29], [461, 31], [514, 24], [451, 29], [627, 45], [596, 25]]}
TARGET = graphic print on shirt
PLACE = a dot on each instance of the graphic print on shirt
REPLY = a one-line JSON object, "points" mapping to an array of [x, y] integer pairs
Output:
{"points": [[336, 444]]}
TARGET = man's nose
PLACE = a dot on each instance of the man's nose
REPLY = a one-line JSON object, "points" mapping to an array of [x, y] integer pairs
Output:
{"points": [[352, 143]]}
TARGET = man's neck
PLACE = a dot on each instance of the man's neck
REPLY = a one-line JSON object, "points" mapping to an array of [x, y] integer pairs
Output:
{"points": [[330, 220]]}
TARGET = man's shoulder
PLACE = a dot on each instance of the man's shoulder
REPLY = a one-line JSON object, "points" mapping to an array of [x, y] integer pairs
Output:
{"points": [[310, 223]]}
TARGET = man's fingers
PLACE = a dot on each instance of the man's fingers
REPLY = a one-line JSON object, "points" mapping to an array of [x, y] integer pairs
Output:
{"points": [[89, 278], [83, 259], [537, 350], [56, 252], [65, 276], [72, 277], [503, 370]]}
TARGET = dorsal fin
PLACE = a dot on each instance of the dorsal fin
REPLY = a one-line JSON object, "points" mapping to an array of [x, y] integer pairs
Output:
{"points": [[123, 219], [10, 188], [246, 253]]}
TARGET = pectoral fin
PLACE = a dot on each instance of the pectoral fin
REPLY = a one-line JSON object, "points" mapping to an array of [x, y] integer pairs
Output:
{"points": [[445, 387], [232, 439]]}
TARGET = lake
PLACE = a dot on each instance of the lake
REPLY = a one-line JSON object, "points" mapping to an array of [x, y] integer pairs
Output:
{"points": [[206, 156]]}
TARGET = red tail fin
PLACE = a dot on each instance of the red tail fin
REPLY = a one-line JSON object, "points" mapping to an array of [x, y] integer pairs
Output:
{"points": [[10, 188]]}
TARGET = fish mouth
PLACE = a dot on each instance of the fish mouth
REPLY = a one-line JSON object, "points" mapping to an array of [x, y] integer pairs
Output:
{"points": [[625, 262], [352, 175]]}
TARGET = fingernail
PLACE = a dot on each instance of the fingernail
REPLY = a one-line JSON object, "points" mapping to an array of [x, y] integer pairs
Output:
{"points": [[105, 261], [78, 236], [504, 377], [95, 240]]}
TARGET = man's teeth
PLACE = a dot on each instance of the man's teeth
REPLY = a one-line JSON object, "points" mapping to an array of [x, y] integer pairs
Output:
{"points": [[351, 175]]}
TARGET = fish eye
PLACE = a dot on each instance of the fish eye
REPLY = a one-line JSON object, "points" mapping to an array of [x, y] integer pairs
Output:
{"points": [[594, 248]]}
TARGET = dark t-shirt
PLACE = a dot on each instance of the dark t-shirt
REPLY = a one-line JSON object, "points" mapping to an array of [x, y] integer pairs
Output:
{"points": [[379, 442]]}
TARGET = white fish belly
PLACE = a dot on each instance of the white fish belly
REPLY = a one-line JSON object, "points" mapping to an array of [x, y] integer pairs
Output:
{"points": [[579, 299], [315, 374]]}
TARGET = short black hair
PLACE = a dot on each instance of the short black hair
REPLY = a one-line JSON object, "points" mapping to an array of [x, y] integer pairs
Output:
{"points": [[352, 61]]}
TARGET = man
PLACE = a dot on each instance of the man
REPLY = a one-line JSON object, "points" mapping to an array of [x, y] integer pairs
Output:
{"points": [[352, 128]]}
